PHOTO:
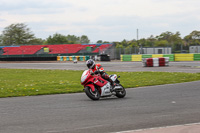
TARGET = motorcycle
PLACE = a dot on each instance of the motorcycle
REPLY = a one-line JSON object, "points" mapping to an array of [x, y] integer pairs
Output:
{"points": [[96, 87]]}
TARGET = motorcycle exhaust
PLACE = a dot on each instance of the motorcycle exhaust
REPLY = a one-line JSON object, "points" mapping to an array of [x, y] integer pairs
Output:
{"points": [[118, 88]]}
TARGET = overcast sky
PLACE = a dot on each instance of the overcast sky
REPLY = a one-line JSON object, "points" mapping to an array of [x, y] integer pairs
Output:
{"points": [[107, 20]]}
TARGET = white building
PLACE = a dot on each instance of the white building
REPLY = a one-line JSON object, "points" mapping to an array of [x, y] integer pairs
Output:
{"points": [[194, 49], [156, 50]]}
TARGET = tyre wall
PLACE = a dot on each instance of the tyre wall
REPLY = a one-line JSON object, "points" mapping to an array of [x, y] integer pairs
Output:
{"points": [[172, 57]]}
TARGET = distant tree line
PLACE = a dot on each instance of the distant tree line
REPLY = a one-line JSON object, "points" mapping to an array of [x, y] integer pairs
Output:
{"points": [[165, 39], [20, 34]]}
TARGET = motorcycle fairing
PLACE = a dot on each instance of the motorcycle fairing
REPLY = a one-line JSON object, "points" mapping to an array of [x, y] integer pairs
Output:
{"points": [[85, 76], [113, 77], [105, 90], [91, 81], [91, 86], [95, 80], [99, 81]]}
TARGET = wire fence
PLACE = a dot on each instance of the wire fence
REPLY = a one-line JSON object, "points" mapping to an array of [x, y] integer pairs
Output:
{"points": [[113, 52], [116, 52]]}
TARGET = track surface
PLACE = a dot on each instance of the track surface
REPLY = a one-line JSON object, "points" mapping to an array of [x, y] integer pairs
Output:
{"points": [[191, 67], [143, 107]]}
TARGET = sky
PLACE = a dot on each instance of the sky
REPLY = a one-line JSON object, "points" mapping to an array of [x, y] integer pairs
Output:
{"points": [[107, 20]]}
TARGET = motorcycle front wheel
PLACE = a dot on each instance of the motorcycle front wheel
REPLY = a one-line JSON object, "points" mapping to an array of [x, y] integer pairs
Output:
{"points": [[92, 95], [121, 93]]}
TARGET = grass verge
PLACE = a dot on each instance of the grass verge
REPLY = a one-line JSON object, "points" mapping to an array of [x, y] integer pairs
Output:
{"points": [[28, 82]]}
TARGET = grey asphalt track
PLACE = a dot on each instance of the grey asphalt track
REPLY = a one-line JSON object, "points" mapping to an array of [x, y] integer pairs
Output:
{"points": [[144, 107], [190, 67]]}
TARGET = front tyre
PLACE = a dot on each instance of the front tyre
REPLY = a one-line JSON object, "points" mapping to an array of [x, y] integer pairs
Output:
{"points": [[121, 93], [92, 95]]}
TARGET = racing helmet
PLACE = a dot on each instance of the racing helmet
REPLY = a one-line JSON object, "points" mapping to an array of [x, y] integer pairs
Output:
{"points": [[90, 63]]}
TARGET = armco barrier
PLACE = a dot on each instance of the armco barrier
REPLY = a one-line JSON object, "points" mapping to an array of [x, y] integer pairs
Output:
{"points": [[42, 57], [72, 58], [155, 62], [64, 58], [121, 57], [184, 57], [127, 58], [136, 57], [58, 58], [196, 57], [157, 55], [61, 58], [82, 58], [146, 56], [171, 56]]}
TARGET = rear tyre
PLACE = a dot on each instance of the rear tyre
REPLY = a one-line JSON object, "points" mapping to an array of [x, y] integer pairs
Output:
{"points": [[92, 95], [121, 93]]}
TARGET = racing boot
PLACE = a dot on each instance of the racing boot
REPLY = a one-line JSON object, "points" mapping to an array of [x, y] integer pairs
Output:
{"points": [[113, 84], [106, 77]]}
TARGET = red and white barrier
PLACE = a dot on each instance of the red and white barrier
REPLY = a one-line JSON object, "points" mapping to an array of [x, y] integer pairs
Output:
{"points": [[151, 62]]}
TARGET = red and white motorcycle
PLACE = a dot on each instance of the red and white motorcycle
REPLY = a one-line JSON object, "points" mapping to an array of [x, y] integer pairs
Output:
{"points": [[95, 86]]}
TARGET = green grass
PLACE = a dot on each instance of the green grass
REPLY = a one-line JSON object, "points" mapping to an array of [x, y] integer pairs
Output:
{"points": [[27, 82]]}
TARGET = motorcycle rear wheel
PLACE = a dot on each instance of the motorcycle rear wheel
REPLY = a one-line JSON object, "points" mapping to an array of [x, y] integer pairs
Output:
{"points": [[121, 93], [92, 95]]}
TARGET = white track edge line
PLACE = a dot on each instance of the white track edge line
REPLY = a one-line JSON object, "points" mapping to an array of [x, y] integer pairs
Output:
{"points": [[157, 128]]}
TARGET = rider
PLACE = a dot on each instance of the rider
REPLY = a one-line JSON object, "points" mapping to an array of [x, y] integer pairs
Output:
{"points": [[97, 68]]}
